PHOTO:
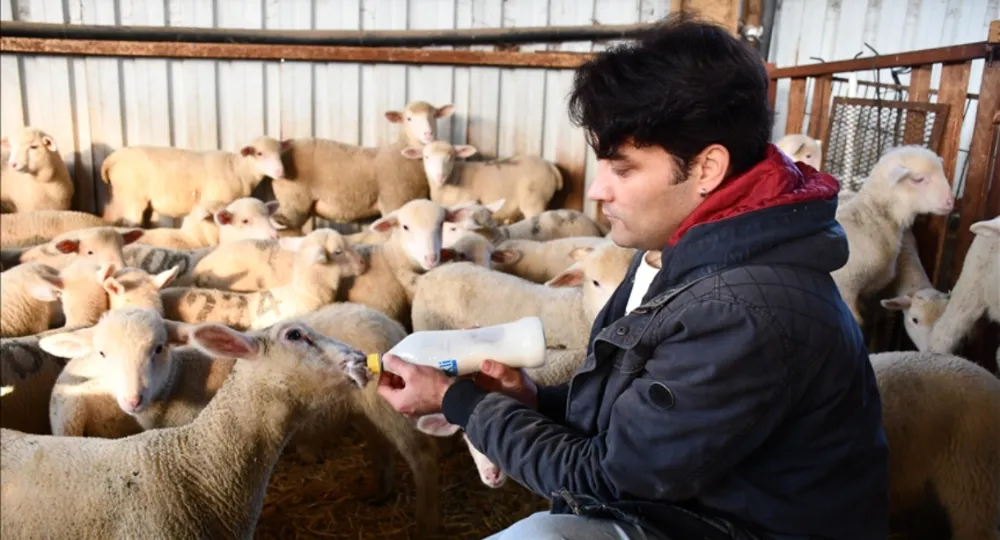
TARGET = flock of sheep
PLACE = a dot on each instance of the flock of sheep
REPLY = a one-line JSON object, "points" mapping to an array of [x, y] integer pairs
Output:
{"points": [[162, 372]]}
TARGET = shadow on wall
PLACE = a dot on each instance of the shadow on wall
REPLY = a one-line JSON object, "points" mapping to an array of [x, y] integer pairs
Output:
{"points": [[91, 193]]}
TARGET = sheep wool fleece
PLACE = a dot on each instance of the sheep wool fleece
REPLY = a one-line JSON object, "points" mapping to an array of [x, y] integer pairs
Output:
{"points": [[736, 402]]}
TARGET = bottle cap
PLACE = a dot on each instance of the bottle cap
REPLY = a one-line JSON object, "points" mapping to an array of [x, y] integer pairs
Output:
{"points": [[374, 363]]}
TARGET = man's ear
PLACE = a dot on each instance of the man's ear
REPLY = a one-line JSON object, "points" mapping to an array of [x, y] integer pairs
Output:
{"points": [[710, 168]]}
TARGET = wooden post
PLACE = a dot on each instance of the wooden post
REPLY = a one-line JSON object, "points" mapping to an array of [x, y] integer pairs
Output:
{"points": [[796, 105], [920, 89], [772, 87], [723, 12], [819, 116]]}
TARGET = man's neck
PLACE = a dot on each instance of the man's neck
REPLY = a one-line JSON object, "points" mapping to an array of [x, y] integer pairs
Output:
{"points": [[652, 258]]}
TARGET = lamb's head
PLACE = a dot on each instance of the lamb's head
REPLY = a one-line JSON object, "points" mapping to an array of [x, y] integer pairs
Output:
{"points": [[439, 159], [478, 217], [470, 247], [416, 228], [419, 120], [200, 223], [921, 310], [32, 151], [82, 296], [248, 218], [264, 155], [100, 244], [599, 270], [294, 355], [324, 256], [802, 148], [913, 177], [133, 346], [136, 288]]}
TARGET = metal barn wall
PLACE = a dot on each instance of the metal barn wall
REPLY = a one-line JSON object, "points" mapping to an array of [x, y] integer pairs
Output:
{"points": [[95, 105], [808, 30]]}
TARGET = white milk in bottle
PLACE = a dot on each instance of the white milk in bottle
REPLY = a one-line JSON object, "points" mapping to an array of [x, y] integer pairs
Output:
{"points": [[516, 344]]}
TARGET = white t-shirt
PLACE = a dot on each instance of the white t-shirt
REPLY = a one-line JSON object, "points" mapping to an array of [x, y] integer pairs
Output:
{"points": [[643, 277]]}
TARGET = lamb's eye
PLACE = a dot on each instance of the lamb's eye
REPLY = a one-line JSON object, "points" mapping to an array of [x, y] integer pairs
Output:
{"points": [[91, 252], [406, 227], [596, 283], [246, 221], [293, 335], [158, 349], [102, 354], [915, 320], [338, 252]]}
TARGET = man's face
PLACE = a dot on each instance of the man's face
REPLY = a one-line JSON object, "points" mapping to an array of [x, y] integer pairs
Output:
{"points": [[645, 195]]}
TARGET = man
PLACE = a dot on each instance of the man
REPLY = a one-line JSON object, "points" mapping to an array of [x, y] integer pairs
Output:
{"points": [[736, 399]]}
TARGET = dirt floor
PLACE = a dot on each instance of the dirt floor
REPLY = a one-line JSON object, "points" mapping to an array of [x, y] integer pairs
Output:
{"points": [[329, 500]]}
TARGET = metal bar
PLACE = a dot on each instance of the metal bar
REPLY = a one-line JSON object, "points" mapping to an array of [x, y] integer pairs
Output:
{"points": [[234, 51], [955, 53], [364, 38]]}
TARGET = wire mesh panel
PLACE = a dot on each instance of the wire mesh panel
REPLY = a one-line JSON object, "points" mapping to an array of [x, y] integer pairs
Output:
{"points": [[862, 130]]}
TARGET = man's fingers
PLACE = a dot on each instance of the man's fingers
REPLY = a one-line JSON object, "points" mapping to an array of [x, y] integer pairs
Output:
{"points": [[398, 365]]}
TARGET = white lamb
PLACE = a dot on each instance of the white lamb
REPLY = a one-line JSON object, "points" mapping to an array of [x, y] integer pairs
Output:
{"points": [[462, 295], [24, 229], [940, 417], [549, 225], [539, 261], [171, 181], [34, 176], [322, 260], [906, 182], [525, 183], [802, 148], [29, 294], [214, 223], [344, 183], [101, 244], [134, 387], [203, 479]]}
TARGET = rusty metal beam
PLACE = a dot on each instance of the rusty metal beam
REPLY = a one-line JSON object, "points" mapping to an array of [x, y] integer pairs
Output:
{"points": [[328, 38], [314, 53], [953, 54]]}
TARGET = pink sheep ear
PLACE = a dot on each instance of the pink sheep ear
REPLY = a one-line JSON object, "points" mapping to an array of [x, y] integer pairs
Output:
{"points": [[50, 143], [578, 254], [394, 116], [412, 152], [68, 246], [571, 277], [385, 223], [224, 217], [436, 425], [131, 236], [465, 150], [221, 341], [166, 277], [113, 287], [247, 151], [106, 271], [286, 145], [272, 207], [445, 110], [898, 303], [178, 332]]}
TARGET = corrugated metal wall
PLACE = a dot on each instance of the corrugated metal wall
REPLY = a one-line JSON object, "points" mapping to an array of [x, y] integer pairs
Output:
{"points": [[809, 30], [95, 105]]}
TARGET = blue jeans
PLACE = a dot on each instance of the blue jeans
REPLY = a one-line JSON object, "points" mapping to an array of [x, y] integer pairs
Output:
{"points": [[546, 526]]}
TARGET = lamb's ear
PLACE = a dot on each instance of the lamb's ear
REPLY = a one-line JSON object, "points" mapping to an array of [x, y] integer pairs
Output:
{"points": [[505, 256], [48, 289], [445, 110], [436, 425], [223, 217], [989, 227], [578, 254], [385, 223], [465, 150], [220, 340], [68, 246], [898, 303], [570, 277], [799, 149], [898, 173], [165, 277], [394, 116], [412, 152], [69, 344], [178, 332], [495, 206], [106, 271], [272, 207], [113, 286], [456, 214], [131, 235], [819, 143]]}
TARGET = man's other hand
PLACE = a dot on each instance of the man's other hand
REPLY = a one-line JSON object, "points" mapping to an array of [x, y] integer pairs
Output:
{"points": [[496, 377], [412, 389]]}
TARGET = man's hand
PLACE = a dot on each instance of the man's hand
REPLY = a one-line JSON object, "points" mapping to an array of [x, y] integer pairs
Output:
{"points": [[496, 377], [412, 389]]}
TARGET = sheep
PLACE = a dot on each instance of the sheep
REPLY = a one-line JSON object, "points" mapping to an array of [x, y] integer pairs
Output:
{"points": [[28, 294], [921, 309], [171, 181], [25, 229], [539, 261], [943, 441], [101, 244], [321, 261], [526, 183], [549, 225], [472, 248], [244, 266], [37, 177], [462, 295], [134, 287], [394, 267], [27, 374], [156, 260], [344, 183], [136, 387], [211, 224], [905, 182], [802, 148], [204, 479]]}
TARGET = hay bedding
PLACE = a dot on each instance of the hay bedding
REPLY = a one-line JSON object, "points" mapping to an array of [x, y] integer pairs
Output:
{"points": [[332, 499]]}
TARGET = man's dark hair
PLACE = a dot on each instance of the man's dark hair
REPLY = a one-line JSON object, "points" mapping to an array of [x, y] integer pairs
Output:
{"points": [[683, 86]]}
